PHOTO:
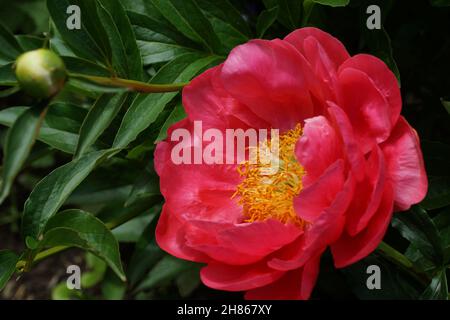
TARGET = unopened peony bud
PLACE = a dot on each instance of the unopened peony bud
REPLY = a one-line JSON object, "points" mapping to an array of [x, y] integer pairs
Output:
{"points": [[41, 73]]}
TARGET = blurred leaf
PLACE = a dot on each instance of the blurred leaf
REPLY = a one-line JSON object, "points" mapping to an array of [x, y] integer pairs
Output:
{"points": [[7, 76], [394, 283], [60, 183], [28, 42], [97, 268], [188, 281], [98, 119], [176, 115], [446, 105], [62, 292], [19, 141], [145, 108], [112, 287], [333, 3], [442, 221], [59, 127], [265, 20], [76, 228], [8, 92], [127, 38], [186, 17], [10, 49], [440, 3], [146, 186], [438, 288], [438, 195], [416, 226], [8, 260], [168, 268]]}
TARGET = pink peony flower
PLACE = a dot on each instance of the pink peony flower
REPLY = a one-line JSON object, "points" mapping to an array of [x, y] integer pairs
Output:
{"points": [[347, 161]]}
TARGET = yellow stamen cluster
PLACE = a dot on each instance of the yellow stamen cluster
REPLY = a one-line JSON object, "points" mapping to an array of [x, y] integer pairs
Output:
{"points": [[267, 192]]}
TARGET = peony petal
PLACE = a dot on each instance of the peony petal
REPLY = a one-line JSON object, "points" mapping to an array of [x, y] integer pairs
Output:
{"points": [[238, 278], [326, 229], [350, 145], [405, 165], [370, 192], [332, 51], [348, 249], [204, 99], [293, 285], [239, 244], [170, 236], [273, 79], [365, 106], [382, 77], [314, 199], [318, 147]]}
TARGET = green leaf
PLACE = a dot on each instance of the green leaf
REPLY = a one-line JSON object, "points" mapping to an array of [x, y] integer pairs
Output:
{"points": [[438, 288], [289, 12], [81, 229], [98, 119], [19, 141], [227, 13], [7, 76], [146, 108], [265, 20], [90, 41], [146, 254], [187, 18], [133, 60], [8, 260], [416, 226], [168, 268], [176, 115], [79, 65], [446, 105], [159, 41], [60, 127], [118, 54], [10, 48], [438, 195], [226, 21], [59, 184], [333, 3], [156, 52], [29, 43]]}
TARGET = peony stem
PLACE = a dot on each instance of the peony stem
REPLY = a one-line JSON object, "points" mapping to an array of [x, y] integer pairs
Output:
{"points": [[131, 85], [403, 262]]}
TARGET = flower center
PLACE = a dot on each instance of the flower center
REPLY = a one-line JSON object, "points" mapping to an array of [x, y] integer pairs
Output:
{"points": [[271, 180]]}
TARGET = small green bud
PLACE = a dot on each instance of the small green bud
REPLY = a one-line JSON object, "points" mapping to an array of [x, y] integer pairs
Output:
{"points": [[41, 73]]}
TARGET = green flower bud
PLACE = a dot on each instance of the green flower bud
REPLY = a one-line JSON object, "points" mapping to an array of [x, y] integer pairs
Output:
{"points": [[41, 73]]}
